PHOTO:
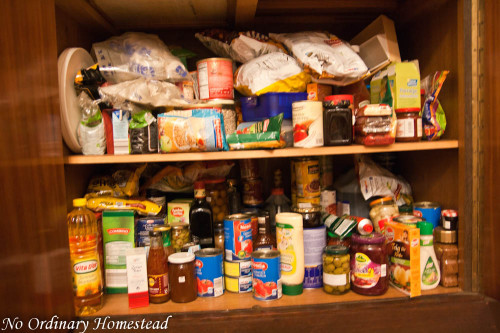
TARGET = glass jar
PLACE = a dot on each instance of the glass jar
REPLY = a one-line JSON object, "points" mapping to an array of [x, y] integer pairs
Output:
{"points": [[311, 216], [409, 125], [180, 235], [216, 192], [337, 120], [334, 239], [446, 248], [369, 263], [252, 192], [219, 238], [167, 239], [381, 211], [182, 277], [336, 270]]}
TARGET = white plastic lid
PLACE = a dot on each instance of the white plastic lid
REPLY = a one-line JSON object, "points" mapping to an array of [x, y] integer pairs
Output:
{"points": [[181, 258]]}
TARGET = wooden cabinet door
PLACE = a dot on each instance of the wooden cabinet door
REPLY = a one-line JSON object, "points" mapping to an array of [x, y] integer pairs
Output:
{"points": [[35, 275]]}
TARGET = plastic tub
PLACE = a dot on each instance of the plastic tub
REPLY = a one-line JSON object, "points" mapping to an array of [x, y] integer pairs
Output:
{"points": [[256, 108]]}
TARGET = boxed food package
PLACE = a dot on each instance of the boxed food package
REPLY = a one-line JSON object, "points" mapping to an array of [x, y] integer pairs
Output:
{"points": [[137, 278], [318, 92], [404, 78], [404, 257], [118, 237], [178, 210]]}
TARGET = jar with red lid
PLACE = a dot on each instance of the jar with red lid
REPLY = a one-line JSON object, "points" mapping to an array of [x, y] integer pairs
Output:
{"points": [[369, 263], [409, 125], [337, 120]]}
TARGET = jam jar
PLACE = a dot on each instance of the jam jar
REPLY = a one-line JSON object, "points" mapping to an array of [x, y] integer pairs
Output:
{"points": [[336, 270], [311, 215], [369, 264], [182, 277], [409, 125]]}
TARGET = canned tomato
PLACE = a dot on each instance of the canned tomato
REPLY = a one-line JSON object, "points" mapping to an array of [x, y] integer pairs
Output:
{"points": [[314, 243], [307, 178], [209, 272], [238, 268], [240, 285], [238, 237], [429, 211], [408, 220], [254, 214], [252, 192], [249, 168], [215, 78], [266, 275], [307, 117]]}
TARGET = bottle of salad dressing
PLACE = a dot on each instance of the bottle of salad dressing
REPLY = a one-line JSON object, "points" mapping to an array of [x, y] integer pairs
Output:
{"points": [[290, 243], [430, 274]]}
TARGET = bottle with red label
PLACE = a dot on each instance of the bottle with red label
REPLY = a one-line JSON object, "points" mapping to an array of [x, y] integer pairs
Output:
{"points": [[157, 270], [201, 218]]}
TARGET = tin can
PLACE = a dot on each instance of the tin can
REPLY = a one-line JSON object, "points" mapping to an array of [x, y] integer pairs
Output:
{"points": [[429, 211], [328, 202], [215, 78], [408, 220], [238, 237], [209, 272], [307, 178], [266, 275], [249, 168], [238, 268], [252, 191], [308, 202], [450, 219], [143, 226], [254, 214], [240, 285], [314, 243], [307, 117]]}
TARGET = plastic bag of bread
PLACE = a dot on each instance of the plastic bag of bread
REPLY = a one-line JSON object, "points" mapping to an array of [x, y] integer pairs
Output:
{"points": [[133, 55], [239, 46], [273, 72], [324, 56]]}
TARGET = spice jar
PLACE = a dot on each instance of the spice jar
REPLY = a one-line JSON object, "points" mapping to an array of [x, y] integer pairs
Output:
{"points": [[446, 248], [311, 215], [336, 270], [334, 239], [219, 238], [217, 197], [369, 263], [183, 285], [381, 211], [409, 125], [337, 120], [180, 235]]}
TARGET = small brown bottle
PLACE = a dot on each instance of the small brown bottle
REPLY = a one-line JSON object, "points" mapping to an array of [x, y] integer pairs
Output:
{"points": [[157, 270], [265, 239]]}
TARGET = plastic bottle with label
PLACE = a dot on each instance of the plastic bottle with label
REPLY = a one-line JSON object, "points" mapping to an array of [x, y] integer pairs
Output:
{"points": [[430, 273]]}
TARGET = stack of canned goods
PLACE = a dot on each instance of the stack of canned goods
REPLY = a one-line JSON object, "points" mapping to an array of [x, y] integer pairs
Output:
{"points": [[305, 181]]}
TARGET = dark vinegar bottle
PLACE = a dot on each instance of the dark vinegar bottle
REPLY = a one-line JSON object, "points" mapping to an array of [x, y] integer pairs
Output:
{"points": [[200, 217]]}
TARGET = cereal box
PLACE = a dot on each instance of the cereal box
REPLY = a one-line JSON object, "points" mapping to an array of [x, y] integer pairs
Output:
{"points": [[404, 257], [178, 210]]}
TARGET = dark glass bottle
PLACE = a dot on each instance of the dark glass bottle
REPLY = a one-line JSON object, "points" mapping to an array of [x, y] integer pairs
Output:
{"points": [[200, 217], [265, 239]]}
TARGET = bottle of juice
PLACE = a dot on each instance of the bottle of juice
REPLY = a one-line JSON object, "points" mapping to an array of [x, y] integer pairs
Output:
{"points": [[85, 265]]}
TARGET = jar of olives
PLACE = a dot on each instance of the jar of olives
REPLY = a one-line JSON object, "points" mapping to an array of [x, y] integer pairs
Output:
{"points": [[180, 235], [216, 191], [336, 270]]}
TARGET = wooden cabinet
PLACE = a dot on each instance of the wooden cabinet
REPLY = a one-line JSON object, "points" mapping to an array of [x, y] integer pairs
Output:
{"points": [[40, 176]]}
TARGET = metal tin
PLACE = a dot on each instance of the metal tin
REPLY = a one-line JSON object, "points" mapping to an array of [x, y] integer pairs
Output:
{"points": [[254, 214], [429, 211], [238, 268], [252, 191], [307, 178], [209, 272], [449, 220], [409, 220], [314, 243], [238, 237], [143, 226], [240, 285], [307, 117], [215, 78], [266, 275]]}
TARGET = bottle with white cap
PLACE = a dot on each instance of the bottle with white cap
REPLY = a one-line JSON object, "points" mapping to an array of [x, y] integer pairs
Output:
{"points": [[290, 243]]}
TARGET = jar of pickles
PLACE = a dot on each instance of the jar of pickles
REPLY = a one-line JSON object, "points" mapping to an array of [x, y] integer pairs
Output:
{"points": [[334, 239], [216, 192], [336, 270], [180, 235], [382, 210]]}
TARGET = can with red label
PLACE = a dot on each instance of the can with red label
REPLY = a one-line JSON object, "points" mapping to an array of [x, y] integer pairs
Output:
{"points": [[215, 78], [266, 275], [238, 237], [209, 272]]}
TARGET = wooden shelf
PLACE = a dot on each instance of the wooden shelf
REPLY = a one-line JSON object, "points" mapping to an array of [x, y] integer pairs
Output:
{"points": [[117, 305], [244, 154]]}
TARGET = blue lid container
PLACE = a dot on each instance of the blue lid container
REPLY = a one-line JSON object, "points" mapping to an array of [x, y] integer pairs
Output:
{"points": [[256, 108]]}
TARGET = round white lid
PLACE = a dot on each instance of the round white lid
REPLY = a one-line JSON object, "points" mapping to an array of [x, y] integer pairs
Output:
{"points": [[181, 257]]}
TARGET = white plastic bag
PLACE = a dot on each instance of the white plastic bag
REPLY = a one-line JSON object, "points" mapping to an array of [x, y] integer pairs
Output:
{"points": [[134, 55]]}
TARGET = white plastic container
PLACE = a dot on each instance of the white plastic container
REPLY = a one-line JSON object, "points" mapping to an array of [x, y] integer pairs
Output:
{"points": [[290, 243], [430, 274]]}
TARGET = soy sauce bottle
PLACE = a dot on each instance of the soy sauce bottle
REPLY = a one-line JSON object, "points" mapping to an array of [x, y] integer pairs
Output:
{"points": [[201, 218]]}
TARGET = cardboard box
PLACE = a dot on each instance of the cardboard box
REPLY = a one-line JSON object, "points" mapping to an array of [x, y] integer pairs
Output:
{"points": [[118, 237], [404, 257], [318, 92], [137, 278], [178, 210], [404, 79]]}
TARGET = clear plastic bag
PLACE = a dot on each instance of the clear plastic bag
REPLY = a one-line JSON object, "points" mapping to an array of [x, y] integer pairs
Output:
{"points": [[91, 133]]}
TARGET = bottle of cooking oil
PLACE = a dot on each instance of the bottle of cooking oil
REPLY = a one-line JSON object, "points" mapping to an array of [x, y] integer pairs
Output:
{"points": [[85, 266]]}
